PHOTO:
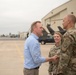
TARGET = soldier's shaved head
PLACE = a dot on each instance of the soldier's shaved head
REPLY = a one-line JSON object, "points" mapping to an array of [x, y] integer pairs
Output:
{"points": [[69, 21], [72, 18]]}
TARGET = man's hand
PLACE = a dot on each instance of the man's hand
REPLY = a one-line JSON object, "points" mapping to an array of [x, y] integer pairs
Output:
{"points": [[55, 58]]}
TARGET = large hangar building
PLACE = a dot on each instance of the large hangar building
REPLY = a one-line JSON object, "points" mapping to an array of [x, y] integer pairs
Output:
{"points": [[55, 17]]}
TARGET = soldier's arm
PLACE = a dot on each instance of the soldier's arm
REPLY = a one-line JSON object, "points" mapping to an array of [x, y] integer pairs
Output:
{"points": [[65, 55], [50, 65]]}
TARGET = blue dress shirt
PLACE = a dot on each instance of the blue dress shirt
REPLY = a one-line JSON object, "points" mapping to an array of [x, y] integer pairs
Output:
{"points": [[32, 53]]}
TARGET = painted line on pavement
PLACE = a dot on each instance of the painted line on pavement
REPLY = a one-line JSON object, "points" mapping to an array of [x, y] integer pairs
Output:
{"points": [[19, 52]]}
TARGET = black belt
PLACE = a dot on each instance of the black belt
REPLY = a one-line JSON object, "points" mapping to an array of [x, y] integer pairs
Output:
{"points": [[36, 67], [33, 68]]}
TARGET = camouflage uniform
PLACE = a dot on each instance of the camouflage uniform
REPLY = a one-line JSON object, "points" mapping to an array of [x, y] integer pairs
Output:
{"points": [[67, 61], [53, 65]]}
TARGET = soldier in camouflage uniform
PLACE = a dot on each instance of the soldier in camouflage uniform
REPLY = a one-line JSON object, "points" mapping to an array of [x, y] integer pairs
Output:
{"points": [[67, 61], [54, 51]]}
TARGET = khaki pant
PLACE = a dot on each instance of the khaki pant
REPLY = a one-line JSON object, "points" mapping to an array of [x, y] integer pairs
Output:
{"points": [[31, 71]]}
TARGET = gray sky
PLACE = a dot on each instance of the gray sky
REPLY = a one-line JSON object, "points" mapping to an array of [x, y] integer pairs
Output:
{"points": [[17, 15]]}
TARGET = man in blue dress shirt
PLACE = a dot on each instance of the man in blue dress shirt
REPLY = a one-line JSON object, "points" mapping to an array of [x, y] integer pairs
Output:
{"points": [[32, 53]]}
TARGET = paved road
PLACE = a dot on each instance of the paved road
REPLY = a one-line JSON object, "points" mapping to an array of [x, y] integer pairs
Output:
{"points": [[11, 57]]}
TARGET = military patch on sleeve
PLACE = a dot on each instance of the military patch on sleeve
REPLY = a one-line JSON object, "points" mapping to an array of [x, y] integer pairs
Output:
{"points": [[66, 44]]}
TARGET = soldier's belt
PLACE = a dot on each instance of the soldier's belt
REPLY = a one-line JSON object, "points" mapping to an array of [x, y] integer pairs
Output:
{"points": [[60, 74]]}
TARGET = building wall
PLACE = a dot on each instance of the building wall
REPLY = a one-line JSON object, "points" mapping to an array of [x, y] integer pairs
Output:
{"points": [[23, 35], [54, 17]]}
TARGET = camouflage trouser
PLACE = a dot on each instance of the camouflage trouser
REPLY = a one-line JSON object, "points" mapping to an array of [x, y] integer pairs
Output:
{"points": [[71, 73], [68, 73]]}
